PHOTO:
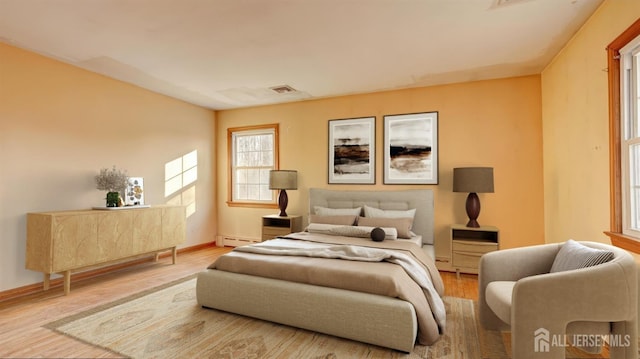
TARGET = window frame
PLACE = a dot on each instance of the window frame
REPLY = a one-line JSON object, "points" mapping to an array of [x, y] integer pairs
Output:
{"points": [[230, 161], [629, 71], [618, 238]]}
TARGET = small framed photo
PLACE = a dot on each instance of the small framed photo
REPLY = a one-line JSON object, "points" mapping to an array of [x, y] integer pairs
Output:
{"points": [[352, 150], [134, 194], [411, 148]]}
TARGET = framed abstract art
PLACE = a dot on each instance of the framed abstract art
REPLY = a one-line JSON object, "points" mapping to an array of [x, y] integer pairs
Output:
{"points": [[352, 151], [411, 148]]}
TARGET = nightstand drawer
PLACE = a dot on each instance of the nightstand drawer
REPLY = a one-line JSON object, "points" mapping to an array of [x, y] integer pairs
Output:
{"points": [[275, 231], [466, 259], [471, 246]]}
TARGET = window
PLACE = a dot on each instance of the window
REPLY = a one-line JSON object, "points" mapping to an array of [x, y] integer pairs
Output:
{"points": [[624, 164], [630, 137], [253, 152]]}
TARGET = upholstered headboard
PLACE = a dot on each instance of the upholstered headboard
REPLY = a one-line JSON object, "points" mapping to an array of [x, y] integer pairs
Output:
{"points": [[420, 199]]}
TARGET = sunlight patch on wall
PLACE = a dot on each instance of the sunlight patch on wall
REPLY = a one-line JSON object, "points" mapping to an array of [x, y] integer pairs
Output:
{"points": [[180, 176]]}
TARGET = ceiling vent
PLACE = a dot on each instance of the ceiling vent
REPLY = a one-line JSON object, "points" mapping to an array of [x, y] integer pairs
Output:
{"points": [[283, 89], [503, 3]]}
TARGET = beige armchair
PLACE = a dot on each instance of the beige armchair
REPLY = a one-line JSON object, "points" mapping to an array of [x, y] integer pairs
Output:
{"points": [[542, 309]]}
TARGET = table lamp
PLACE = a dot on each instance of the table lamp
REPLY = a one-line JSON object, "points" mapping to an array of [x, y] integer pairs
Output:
{"points": [[473, 180], [283, 180]]}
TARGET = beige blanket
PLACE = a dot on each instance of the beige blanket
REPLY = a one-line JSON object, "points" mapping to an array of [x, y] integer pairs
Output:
{"points": [[370, 269]]}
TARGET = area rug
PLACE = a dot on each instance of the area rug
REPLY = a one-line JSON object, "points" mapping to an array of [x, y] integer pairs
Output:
{"points": [[166, 322]]}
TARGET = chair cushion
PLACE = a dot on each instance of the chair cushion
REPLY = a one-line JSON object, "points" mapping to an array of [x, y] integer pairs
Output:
{"points": [[573, 255], [498, 296]]}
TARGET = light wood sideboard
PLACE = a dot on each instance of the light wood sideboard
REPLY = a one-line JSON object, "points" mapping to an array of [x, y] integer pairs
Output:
{"points": [[66, 241]]}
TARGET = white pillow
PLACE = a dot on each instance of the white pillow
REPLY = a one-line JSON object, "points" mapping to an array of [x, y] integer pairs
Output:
{"points": [[324, 211], [321, 227], [573, 255], [387, 213]]}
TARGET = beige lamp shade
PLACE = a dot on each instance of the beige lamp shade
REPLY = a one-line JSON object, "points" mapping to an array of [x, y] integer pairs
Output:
{"points": [[473, 179], [283, 179]]}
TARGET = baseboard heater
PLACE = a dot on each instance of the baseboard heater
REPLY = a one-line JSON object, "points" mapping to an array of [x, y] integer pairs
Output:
{"points": [[233, 241]]}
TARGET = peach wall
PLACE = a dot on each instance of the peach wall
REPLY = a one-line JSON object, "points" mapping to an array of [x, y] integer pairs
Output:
{"points": [[59, 125], [575, 123], [493, 123]]}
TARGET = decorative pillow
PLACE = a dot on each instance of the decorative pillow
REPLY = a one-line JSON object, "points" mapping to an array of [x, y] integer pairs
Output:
{"points": [[387, 213], [402, 225], [324, 211], [349, 231], [340, 220], [378, 234], [321, 228], [573, 255], [390, 233]]}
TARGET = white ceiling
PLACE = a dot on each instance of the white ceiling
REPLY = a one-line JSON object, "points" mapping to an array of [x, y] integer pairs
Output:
{"points": [[224, 54]]}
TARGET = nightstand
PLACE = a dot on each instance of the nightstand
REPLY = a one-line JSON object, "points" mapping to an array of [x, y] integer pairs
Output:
{"points": [[469, 244], [273, 226]]}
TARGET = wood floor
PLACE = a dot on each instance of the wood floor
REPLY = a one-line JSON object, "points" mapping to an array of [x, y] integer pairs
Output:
{"points": [[21, 320]]}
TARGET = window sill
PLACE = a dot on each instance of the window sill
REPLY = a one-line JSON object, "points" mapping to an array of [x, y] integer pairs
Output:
{"points": [[631, 244], [252, 204]]}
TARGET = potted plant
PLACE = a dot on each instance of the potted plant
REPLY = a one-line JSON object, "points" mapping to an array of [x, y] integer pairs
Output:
{"points": [[114, 182]]}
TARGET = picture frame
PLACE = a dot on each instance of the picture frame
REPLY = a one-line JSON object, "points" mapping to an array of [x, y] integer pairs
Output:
{"points": [[411, 148], [352, 150], [134, 194]]}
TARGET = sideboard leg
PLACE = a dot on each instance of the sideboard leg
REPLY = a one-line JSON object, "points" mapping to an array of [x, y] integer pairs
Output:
{"points": [[174, 254], [67, 282], [47, 281]]}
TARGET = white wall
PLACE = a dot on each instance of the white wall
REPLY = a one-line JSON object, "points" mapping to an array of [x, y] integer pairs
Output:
{"points": [[59, 125]]}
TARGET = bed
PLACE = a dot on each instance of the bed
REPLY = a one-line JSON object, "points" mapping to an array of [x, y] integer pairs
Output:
{"points": [[393, 320]]}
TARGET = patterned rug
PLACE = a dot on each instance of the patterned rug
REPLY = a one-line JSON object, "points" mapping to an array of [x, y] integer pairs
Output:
{"points": [[166, 322]]}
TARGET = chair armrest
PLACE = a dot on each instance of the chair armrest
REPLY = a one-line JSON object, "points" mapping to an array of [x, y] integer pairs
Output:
{"points": [[510, 265], [602, 293], [517, 263], [605, 292]]}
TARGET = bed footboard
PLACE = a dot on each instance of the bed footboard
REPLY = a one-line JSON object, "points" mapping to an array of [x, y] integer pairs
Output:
{"points": [[369, 318]]}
